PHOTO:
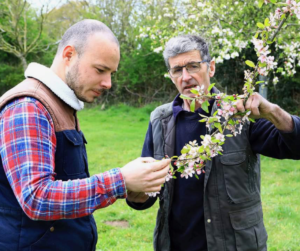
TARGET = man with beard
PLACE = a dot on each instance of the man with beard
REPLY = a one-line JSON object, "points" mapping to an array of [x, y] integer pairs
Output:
{"points": [[222, 209], [47, 196]]}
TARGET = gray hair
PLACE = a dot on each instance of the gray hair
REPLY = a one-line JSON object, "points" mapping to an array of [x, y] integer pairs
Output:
{"points": [[78, 34], [186, 43]]}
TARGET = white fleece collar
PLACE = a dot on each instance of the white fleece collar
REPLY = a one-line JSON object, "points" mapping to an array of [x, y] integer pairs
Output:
{"points": [[54, 83]]}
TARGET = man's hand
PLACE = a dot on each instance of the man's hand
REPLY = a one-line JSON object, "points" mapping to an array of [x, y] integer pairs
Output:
{"points": [[262, 108], [137, 197], [145, 174]]}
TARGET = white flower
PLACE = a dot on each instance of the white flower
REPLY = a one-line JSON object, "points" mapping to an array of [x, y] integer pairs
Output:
{"points": [[158, 49], [227, 56], [234, 54], [168, 177], [188, 172], [219, 60], [206, 141], [275, 80], [153, 194], [220, 136]]}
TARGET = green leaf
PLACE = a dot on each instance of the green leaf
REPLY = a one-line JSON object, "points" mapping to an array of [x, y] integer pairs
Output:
{"points": [[196, 176], [184, 150], [259, 82], [260, 25], [194, 91], [201, 149], [261, 65], [256, 34], [218, 125], [180, 169], [283, 16], [210, 87], [185, 97], [279, 69], [273, 1], [267, 22], [205, 106], [192, 105], [251, 120], [202, 120], [260, 3], [229, 135], [250, 63], [220, 153], [203, 116]]}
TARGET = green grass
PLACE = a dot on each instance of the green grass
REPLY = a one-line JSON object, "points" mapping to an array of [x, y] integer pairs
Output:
{"points": [[115, 136]]}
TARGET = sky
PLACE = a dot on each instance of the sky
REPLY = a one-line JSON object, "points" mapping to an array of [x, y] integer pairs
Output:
{"points": [[39, 3]]}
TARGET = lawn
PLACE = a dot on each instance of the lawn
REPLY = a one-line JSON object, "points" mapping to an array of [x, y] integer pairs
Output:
{"points": [[115, 136]]}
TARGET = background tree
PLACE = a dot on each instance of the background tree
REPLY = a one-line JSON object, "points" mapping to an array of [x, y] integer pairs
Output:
{"points": [[20, 29], [143, 27]]}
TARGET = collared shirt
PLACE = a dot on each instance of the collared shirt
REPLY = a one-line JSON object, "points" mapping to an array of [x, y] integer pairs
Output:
{"points": [[27, 149]]}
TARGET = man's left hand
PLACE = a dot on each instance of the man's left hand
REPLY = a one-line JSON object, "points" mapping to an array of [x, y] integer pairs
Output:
{"points": [[262, 108]]}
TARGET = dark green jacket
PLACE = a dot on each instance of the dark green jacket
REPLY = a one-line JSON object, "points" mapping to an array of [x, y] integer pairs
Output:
{"points": [[232, 203]]}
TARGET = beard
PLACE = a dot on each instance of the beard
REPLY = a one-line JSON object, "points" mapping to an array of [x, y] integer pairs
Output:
{"points": [[73, 81]]}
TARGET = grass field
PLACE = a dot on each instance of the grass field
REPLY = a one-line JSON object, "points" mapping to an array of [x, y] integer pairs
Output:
{"points": [[115, 136]]}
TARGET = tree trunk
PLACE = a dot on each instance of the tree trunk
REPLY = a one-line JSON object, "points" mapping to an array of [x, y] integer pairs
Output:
{"points": [[23, 62]]}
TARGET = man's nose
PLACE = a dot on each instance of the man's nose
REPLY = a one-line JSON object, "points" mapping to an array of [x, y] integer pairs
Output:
{"points": [[106, 82], [185, 75]]}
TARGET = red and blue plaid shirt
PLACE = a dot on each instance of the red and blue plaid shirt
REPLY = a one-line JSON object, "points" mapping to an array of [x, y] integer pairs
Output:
{"points": [[27, 148]]}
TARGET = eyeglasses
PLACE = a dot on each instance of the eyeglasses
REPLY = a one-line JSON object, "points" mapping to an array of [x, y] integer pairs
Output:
{"points": [[190, 67]]}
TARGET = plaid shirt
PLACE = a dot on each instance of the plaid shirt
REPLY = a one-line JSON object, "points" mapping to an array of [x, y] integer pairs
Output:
{"points": [[27, 148]]}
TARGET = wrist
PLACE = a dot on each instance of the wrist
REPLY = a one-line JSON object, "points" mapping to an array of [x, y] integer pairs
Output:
{"points": [[273, 113], [281, 119]]}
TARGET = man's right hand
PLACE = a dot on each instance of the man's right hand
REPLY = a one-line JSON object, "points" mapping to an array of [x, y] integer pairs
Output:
{"points": [[145, 174]]}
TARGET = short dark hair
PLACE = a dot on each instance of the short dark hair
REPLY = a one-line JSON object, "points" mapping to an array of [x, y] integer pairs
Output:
{"points": [[78, 34], [186, 43]]}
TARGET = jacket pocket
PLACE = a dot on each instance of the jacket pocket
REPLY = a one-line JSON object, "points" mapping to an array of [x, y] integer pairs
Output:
{"points": [[73, 163], [236, 175], [249, 229], [45, 242]]}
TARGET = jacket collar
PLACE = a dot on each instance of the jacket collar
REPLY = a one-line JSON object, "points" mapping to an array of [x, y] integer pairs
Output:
{"points": [[54, 83]]}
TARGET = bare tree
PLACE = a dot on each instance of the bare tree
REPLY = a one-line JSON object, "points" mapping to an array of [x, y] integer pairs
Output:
{"points": [[20, 28]]}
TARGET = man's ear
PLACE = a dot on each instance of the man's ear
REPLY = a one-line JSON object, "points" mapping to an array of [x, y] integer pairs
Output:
{"points": [[69, 53], [212, 68]]}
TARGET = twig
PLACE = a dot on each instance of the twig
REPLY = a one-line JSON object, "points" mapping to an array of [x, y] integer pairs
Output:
{"points": [[280, 25]]}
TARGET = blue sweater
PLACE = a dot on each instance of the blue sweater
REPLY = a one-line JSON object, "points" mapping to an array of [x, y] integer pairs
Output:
{"points": [[187, 229]]}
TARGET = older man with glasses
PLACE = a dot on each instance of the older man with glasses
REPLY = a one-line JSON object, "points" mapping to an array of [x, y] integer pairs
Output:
{"points": [[222, 209]]}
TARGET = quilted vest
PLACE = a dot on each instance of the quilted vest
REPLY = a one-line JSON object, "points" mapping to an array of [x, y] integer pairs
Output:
{"points": [[18, 232]]}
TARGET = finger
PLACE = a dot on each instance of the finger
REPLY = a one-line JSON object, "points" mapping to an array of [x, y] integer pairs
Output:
{"points": [[160, 165], [255, 105], [240, 105], [159, 174], [157, 182], [248, 103], [146, 159], [153, 189]]}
